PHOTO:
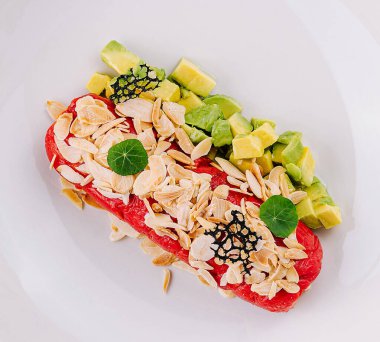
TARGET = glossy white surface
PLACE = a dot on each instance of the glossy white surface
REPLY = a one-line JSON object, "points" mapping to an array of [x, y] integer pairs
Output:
{"points": [[312, 66]]}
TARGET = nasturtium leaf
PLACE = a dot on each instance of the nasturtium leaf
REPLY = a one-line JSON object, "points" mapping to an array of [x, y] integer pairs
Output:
{"points": [[280, 215], [128, 157]]}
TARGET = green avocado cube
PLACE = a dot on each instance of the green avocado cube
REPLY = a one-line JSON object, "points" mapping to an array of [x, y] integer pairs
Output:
{"points": [[191, 77], [256, 123], [277, 153], [117, 57], [316, 191], [247, 146], [307, 166], [293, 151], [221, 133], [242, 164], [168, 91], [239, 124], [289, 182], [195, 134], [267, 134], [204, 117], [307, 215], [328, 215], [227, 104], [287, 136], [189, 100], [294, 171], [265, 162], [97, 83]]}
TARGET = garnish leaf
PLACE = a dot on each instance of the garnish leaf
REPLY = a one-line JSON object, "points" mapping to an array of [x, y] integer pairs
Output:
{"points": [[128, 157], [280, 215]]}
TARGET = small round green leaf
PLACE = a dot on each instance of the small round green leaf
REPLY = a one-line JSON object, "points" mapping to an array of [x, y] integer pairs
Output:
{"points": [[127, 158], [280, 215]]}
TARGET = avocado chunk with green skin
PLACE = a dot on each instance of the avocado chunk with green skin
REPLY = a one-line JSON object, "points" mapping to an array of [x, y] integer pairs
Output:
{"points": [[277, 152], [189, 100], [242, 164], [221, 133], [256, 123], [204, 117], [247, 146], [117, 57], [239, 124], [294, 171], [287, 136], [307, 214], [316, 191], [266, 134], [191, 77], [168, 91], [195, 134], [289, 182], [307, 167], [227, 104], [265, 162], [328, 215], [293, 151], [97, 83]]}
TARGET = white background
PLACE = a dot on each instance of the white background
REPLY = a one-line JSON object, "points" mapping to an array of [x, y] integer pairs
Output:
{"points": [[312, 66]]}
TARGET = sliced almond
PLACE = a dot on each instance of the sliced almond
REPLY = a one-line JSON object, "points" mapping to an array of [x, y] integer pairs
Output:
{"points": [[290, 243], [226, 293], [295, 254], [84, 102], [164, 259], [94, 115], [71, 154], [185, 267], [288, 286], [166, 282], [55, 108], [121, 184], [73, 197], [106, 127], [230, 169], [221, 191], [69, 174], [201, 248], [179, 156], [202, 149], [87, 180], [90, 201], [184, 239], [162, 146], [297, 196], [116, 234], [175, 112], [184, 141], [254, 184], [124, 227], [207, 277], [51, 165], [274, 174], [82, 130], [292, 275], [62, 126], [83, 144], [273, 290], [136, 108]]}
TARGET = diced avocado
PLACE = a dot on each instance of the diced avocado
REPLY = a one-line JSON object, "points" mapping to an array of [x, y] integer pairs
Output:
{"points": [[239, 124], [294, 171], [221, 133], [285, 137], [191, 77], [323, 200], [316, 191], [328, 215], [242, 164], [212, 153], [97, 83], [227, 104], [277, 152], [118, 57], [293, 151], [204, 117], [267, 134], [307, 166], [195, 134], [265, 161], [247, 146], [289, 182], [168, 91], [189, 100], [306, 213], [256, 123]]}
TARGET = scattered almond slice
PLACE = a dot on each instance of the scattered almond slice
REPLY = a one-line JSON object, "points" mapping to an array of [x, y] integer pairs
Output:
{"points": [[73, 197], [90, 201], [164, 259], [55, 108], [106, 127], [184, 266], [230, 169], [295, 254], [83, 144], [175, 112], [94, 115], [136, 108], [116, 234], [254, 184], [51, 165], [166, 282], [226, 293], [124, 227], [62, 126], [207, 277], [202, 149], [297, 196], [180, 156], [184, 141], [70, 175], [82, 130]]}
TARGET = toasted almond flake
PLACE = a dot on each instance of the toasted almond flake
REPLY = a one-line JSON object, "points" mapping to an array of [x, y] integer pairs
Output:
{"points": [[235, 182], [123, 226], [69, 174], [217, 220], [82, 130], [51, 166], [164, 259], [178, 172], [226, 293], [150, 248], [66, 184], [160, 231], [179, 156], [273, 290], [297, 196], [157, 208], [156, 112], [205, 224], [62, 125], [184, 239], [295, 254], [55, 108], [100, 103], [284, 186], [106, 127], [94, 115], [207, 277], [73, 197], [262, 289], [121, 184], [166, 282], [137, 125], [90, 201], [230, 169], [292, 275], [201, 248], [162, 146], [109, 194], [202, 280], [116, 234], [71, 154], [185, 267], [84, 102], [274, 174], [83, 144], [202, 149], [254, 184], [87, 180], [221, 191], [175, 112], [96, 170], [288, 286], [272, 188], [165, 128], [290, 243], [136, 108], [234, 274], [184, 141]]}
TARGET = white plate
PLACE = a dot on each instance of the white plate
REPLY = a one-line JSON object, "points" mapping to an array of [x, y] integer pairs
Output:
{"points": [[310, 65]]}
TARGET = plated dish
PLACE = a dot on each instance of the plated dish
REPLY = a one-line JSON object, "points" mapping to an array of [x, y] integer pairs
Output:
{"points": [[207, 189]]}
